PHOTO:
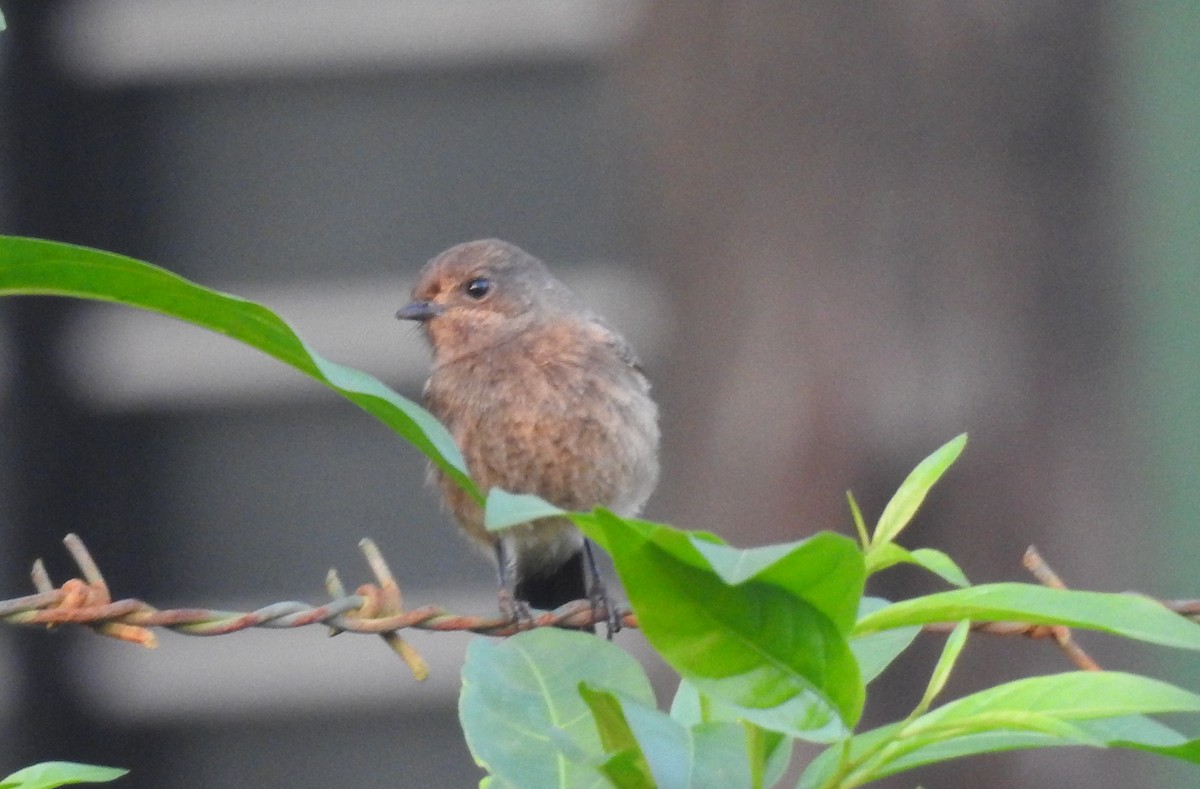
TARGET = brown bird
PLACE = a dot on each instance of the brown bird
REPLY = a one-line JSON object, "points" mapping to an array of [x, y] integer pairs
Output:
{"points": [[542, 397]]}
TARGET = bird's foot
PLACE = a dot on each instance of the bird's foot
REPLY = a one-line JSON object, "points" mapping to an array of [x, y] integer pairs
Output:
{"points": [[516, 611], [599, 598]]}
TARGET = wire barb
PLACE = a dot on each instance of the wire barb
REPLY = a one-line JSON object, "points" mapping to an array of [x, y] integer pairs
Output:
{"points": [[1037, 566], [385, 599]]}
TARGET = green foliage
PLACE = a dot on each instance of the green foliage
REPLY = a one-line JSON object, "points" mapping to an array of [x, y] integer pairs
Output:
{"points": [[1120, 614], [876, 651], [522, 712], [48, 775], [903, 506], [34, 267], [765, 630], [1096, 709], [772, 644]]}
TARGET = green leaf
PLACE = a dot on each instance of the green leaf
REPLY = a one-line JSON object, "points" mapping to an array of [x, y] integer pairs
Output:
{"points": [[875, 651], [1078, 708], [1073, 695], [769, 751], [941, 672], [628, 770], [48, 775], [1125, 615], [1168, 742], [688, 707], [626, 767], [762, 630], [1135, 732], [936, 562], [900, 510], [702, 755], [879, 753], [844, 757], [521, 711], [610, 721], [860, 525], [35, 267], [504, 510]]}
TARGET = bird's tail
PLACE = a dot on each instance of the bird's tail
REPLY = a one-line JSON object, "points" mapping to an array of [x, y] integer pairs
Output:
{"points": [[559, 586]]}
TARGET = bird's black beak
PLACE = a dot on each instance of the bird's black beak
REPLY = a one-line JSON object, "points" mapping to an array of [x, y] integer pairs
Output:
{"points": [[419, 311]]}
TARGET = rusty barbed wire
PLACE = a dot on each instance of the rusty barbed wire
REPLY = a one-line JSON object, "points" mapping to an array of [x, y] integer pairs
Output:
{"points": [[373, 608], [377, 608], [1061, 634]]}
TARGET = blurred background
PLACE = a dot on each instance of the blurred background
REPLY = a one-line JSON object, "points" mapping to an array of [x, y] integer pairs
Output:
{"points": [[839, 233]]}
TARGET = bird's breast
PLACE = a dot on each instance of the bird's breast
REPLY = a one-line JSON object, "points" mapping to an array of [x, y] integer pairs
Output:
{"points": [[577, 428]]}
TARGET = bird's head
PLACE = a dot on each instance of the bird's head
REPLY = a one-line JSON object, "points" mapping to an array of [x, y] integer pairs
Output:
{"points": [[481, 293]]}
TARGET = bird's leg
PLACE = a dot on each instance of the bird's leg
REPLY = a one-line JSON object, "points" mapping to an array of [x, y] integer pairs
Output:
{"points": [[506, 568], [598, 594]]}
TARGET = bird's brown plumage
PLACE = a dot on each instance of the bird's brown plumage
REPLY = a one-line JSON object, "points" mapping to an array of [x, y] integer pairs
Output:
{"points": [[541, 396]]}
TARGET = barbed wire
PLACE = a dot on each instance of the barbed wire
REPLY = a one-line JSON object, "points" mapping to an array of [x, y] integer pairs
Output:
{"points": [[374, 608], [378, 608]]}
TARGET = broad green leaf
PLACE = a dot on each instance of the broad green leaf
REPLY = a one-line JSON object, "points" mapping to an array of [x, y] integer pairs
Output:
{"points": [[875, 651], [1125, 615], [688, 707], [35, 267], [941, 672], [48, 775], [900, 510], [769, 751], [936, 562], [521, 711], [503, 509], [759, 630], [826, 569]]}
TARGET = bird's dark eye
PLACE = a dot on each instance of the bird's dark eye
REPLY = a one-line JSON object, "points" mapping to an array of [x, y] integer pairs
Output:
{"points": [[478, 287]]}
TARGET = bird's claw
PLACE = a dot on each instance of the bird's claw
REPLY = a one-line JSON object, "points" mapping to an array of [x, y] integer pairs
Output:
{"points": [[600, 600], [516, 611]]}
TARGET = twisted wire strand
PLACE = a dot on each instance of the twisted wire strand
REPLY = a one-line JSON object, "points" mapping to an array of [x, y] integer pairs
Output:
{"points": [[377, 608], [373, 608]]}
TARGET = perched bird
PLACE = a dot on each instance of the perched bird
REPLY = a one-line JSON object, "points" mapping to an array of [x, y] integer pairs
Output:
{"points": [[542, 397]]}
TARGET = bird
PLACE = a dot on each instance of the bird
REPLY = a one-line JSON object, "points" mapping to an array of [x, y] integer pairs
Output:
{"points": [[542, 396]]}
